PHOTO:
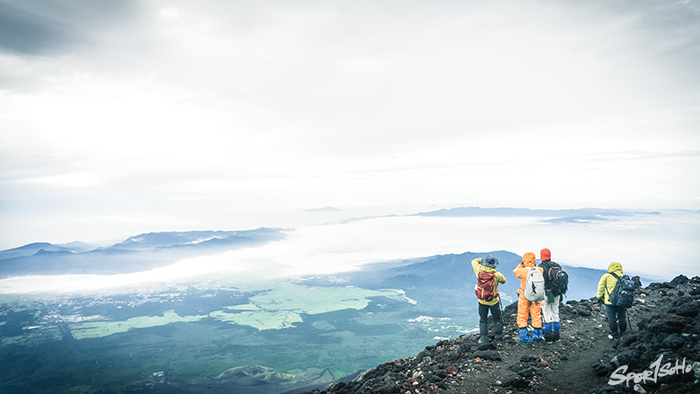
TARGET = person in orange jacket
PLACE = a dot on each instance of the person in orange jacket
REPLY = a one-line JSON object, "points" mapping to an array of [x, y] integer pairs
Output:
{"points": [[525, 306]]}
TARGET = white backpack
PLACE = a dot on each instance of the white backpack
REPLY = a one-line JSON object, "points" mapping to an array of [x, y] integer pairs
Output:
{"points": [[534, 285]]}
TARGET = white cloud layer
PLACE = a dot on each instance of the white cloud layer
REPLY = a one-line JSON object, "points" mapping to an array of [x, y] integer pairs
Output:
{"points": [[654, 246]]}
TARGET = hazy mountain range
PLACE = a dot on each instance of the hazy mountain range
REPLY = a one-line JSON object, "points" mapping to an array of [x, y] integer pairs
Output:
{"points": [[551, 215], [138, 253], [146, 251]]}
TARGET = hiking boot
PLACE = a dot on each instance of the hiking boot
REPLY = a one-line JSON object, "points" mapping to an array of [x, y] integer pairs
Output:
{"points": [[483, 331], [497, 342], [537, 335], [524, 336]]}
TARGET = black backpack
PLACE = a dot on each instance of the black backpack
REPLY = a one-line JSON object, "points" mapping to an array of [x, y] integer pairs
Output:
{"points": [[623, 293], [557, 279]]}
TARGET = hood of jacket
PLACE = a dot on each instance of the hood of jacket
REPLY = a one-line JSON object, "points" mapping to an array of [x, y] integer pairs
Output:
{"points": [[545, 254], [616, 268], [529, 260], [486, 268]]}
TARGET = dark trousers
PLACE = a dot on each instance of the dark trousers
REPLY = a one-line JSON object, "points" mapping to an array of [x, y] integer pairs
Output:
{"points": [[617, 319], [483, 316]]}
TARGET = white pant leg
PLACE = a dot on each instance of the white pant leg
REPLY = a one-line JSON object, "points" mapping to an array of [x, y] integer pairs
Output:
{"points": [[550, 310]]}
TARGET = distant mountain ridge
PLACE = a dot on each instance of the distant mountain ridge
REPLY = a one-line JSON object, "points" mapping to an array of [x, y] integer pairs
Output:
{"points": [[30, 249], [555, 215], [137, 253], [180, 239], [577, 215]]}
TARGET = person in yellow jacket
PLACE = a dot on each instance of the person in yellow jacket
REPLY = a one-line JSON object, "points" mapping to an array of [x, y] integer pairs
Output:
{"points": [[527, 308], [616, 314], [488, 266]]}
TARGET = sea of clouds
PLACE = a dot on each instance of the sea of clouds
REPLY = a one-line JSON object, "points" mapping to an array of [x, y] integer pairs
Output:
{"points": [[651, 245]]}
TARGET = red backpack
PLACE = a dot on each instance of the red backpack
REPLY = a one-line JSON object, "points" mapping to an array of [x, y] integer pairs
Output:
{"points": [[485, 289]]}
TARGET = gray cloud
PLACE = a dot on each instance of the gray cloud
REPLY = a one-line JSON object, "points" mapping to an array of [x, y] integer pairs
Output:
{"points": [[40, 28], [27, 34]]}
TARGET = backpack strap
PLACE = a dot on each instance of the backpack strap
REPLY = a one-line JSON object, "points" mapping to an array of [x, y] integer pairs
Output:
{"points": [[616, 277], [547, 282]]}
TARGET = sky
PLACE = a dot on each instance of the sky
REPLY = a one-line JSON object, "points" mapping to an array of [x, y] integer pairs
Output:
{"points": [[125, 117]]}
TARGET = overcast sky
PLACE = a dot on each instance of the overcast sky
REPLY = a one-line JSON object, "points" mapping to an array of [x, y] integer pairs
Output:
{"points": [[124, 117]]}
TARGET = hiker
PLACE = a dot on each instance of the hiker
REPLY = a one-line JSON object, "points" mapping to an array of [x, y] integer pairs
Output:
{"points": [[526, 306], [487, 292], [555, 283], [616, 314]]}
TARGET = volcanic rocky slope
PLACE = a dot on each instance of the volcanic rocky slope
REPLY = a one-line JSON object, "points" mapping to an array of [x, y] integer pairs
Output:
{"points": [[665, 321]]}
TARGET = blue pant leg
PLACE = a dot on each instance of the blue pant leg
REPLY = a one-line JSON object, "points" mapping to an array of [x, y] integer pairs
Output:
{"points": [[537, 335], [524, 336]]}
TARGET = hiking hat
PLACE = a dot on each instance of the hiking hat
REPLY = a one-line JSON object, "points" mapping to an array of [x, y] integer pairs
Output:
{"points": [[489, 261]]}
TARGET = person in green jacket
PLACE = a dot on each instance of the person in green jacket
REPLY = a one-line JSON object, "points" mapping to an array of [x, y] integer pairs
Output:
{"points": [[489, 300], [616, 314]]}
